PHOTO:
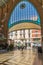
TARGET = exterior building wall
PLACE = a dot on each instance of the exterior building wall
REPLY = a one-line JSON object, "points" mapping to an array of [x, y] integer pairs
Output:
{"points": [[26, 35], [36, 35]]}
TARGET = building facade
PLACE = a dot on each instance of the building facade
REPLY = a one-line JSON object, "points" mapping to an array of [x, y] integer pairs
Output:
{"points": [[31, 36]]}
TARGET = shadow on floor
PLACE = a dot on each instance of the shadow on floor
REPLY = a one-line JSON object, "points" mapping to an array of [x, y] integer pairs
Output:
{"points": [[38, 59]]}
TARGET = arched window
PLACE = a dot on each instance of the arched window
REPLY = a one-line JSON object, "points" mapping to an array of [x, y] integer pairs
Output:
{"points": [[24, 12]]}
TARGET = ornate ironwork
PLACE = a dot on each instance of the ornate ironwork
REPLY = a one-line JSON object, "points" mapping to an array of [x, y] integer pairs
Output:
{"points": [[2, 2]]}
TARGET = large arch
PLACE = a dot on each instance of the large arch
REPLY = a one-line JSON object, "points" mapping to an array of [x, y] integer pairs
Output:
{"points": [[36, 4], [21, 14], [11, 5], [24, 15], [38, 7]]}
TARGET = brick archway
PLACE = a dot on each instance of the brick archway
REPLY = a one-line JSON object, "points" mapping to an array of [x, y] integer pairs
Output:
{"points": [[11, 5]]}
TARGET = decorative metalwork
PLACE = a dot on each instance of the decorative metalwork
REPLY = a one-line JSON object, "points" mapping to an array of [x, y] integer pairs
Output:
{"points": [[2, 2]]}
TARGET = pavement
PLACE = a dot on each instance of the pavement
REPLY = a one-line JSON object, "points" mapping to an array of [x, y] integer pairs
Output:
{"points": [[19, 57]]}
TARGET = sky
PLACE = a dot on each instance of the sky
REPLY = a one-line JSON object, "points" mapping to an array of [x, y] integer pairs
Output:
{"points": [[29, 12]]}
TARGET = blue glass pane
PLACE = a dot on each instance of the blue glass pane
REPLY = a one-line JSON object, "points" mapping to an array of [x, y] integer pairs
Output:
{"points": [[24, 11]]}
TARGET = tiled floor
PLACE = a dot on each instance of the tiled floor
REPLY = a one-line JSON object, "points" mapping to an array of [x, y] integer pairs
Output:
{"points": [[18, 57]]}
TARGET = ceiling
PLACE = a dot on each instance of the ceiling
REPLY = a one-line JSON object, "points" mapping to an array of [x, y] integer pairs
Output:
{"points": [[3, 2]]}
